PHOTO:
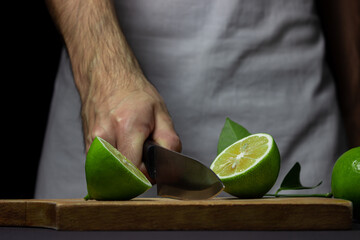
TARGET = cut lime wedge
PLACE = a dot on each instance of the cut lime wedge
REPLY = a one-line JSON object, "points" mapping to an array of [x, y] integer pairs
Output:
{"points": [[110, 175]]}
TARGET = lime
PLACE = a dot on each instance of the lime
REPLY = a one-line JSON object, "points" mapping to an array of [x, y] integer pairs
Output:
{"points": [[345, 178], [110, 175], [249, 167]]}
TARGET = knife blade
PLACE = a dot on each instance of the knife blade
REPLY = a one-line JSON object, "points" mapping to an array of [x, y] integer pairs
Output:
{"points": [[179, 176]]}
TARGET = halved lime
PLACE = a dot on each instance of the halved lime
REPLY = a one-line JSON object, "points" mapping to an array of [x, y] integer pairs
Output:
{"points": [[110, 175], [249, 167]]}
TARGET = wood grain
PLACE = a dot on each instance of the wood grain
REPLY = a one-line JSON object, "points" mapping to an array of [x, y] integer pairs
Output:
{"points": [[169, 214]]}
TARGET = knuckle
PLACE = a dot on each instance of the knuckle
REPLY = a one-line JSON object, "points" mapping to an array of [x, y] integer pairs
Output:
{"points": [[97, 131], [177, 144], [133, 118], [134, 124], [121, 121], [146, 127], [174, 142]]}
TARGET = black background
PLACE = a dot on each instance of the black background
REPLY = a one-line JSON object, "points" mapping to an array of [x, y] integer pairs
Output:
{"points": [[31, 50]]}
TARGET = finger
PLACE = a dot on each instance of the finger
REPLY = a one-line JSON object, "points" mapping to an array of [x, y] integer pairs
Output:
{"points": [[101, 130], [144, 170], [164, 133], [133, 149], [87, 123], [131, 145], [131, 133]]}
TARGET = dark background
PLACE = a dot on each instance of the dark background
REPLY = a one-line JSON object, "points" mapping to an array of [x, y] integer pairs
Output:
{"points": [[31, 54]]}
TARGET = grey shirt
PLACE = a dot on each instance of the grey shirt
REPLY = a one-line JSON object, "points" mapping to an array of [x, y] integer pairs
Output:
{"points": [[261, 63]]}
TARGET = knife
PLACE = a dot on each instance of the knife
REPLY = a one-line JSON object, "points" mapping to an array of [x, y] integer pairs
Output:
{"points": [[179, 176]]}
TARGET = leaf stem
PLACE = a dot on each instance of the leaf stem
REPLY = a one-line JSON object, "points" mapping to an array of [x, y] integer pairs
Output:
{"points": [[325, 195]]}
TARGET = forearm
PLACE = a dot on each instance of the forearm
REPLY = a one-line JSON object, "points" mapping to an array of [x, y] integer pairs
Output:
{"points": [[96, 46]]}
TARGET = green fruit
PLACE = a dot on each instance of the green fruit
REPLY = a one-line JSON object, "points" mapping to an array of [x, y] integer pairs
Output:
{"points": [[110, 175], [345, 178], [249, 167]]}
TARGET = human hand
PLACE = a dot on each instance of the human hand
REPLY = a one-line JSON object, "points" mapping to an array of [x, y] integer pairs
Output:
{"points": [[127, 118]]}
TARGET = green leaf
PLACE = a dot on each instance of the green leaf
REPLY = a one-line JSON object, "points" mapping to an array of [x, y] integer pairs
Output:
{"points": [[230, 133], [292, 180]]}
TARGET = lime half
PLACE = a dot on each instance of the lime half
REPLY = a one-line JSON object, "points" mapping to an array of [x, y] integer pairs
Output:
{"points": [[249, 167], [110, 175]]}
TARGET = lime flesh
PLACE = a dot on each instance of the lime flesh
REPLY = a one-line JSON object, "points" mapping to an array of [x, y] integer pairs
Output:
{"points": [[249, 167]]}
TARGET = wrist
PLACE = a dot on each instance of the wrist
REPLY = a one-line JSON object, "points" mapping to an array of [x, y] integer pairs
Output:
{"points": [[96, 45]]}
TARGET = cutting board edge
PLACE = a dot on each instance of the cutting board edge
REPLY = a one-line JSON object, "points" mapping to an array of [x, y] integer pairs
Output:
{"points": [[186, 210], [54, 214], [42, 214]]}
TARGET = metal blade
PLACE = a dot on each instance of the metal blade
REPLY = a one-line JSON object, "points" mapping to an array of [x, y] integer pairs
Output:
{"points": [[181, 177]]}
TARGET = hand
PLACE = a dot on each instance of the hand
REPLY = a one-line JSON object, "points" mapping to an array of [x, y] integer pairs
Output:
{"points": [[127, 118]]}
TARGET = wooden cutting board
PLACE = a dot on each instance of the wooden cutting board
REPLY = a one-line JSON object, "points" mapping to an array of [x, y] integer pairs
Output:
{"points": [[169, 214]]}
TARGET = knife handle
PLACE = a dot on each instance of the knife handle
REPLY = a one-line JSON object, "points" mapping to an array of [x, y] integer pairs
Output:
{"points": [[148, 158]]}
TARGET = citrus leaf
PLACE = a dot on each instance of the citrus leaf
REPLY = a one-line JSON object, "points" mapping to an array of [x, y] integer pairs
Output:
{"points": [[292, 180], [230, 133]]}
